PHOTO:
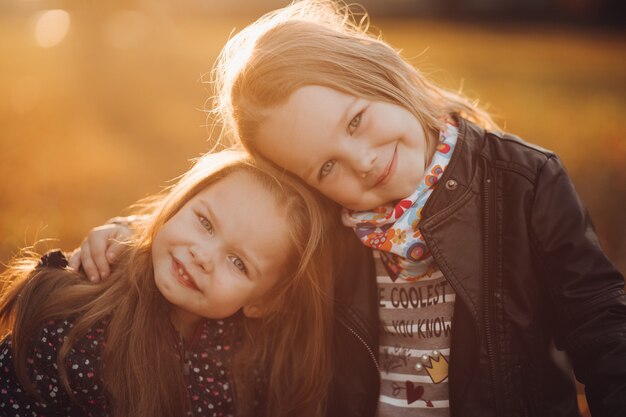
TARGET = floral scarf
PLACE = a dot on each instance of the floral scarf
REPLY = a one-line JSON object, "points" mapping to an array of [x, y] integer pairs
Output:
{"points": [[394, 229]]}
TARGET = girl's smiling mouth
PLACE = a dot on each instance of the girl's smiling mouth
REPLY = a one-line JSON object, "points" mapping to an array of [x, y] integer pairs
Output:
{"points": [[182, 275], [389, 169]]}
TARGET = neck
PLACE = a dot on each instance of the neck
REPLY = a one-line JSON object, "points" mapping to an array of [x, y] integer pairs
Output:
{"points": [[432, 138], [184, 322]]}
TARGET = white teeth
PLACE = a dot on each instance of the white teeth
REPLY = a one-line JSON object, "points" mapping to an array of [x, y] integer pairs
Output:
{"points": [[181, 272]]}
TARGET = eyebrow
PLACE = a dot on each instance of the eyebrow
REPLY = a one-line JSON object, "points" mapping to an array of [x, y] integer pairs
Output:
{"points": [[249, 259]]}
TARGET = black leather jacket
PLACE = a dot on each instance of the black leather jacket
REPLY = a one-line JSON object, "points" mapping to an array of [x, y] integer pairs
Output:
{"points": [[511, 236]]}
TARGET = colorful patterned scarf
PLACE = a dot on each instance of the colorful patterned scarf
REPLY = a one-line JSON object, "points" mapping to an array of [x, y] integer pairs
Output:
{"points": [[393, 230]]}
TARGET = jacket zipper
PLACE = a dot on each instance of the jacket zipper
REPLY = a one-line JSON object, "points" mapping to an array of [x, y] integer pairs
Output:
{"points": [[488, 305], [364, 343]]}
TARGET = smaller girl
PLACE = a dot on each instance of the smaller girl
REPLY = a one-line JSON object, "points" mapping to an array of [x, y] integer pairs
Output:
{"points": [[215, 308]]}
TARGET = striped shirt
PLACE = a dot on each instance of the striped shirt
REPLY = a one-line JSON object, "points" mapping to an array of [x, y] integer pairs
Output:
{"points": [[416, 323]]}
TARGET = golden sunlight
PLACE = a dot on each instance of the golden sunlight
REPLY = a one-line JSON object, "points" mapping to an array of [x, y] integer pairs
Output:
{"points": [[126, 29]]}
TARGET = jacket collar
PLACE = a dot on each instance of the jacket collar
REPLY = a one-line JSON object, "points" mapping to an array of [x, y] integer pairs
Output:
{"points": [[461, 170]]}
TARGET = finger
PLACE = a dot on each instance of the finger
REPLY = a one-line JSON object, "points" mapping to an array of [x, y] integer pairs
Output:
{"points": [[98, 248], [90, 268], [74, 262], [118, 242], [114, 250]]}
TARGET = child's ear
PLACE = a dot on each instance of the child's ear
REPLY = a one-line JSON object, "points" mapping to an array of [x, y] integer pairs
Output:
{"points": [[260, 307], [254, 311]]}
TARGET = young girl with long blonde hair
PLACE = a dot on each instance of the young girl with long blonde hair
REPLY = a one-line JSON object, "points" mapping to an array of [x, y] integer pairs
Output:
{"points": [[485, 254], [219, 305]]}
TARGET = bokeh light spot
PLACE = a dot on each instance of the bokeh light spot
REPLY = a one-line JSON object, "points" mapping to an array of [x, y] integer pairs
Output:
{"points": [[51, 28]]}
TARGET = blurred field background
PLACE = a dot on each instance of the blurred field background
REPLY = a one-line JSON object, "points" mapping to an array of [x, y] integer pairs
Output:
{"points": [[102, 102]]}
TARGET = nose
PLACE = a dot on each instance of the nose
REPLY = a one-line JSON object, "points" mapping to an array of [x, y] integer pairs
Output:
{"points": [[201, 256], [363, 159]]}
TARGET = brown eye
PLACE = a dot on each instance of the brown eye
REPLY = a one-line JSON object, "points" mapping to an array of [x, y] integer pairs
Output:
{"points": [[239, 264], [206, 224], [326, 168], [355, 122]]}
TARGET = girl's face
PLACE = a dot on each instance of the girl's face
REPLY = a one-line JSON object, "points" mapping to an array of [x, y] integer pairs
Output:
{"points": [[360, 153], [223, 250]]}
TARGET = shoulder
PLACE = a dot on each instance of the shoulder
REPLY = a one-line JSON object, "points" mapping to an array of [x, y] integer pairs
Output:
{"points": [[40, 358], [82, 362], [507, 152], [509, 147], [82, 365]]}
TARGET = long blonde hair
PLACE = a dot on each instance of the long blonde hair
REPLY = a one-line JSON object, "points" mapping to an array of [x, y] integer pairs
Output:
{"points": [[290, 343], [321, 42]]}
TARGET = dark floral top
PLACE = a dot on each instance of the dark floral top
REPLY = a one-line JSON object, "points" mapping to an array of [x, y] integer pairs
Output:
{"points": [[205, 365]]}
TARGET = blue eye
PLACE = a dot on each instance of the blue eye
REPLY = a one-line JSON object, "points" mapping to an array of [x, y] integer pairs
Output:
{"points": [[206, 223], [326, 168], [239, 264], [355, 122]]}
